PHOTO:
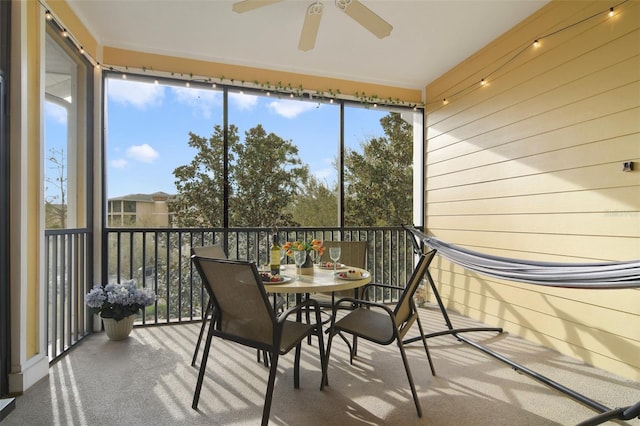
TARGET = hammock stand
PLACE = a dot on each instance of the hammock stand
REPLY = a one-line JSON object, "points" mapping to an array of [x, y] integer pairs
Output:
{"points": [[606, 413]]}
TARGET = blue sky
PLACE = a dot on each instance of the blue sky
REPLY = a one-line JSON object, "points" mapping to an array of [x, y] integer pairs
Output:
{"points": [[148, 125]]}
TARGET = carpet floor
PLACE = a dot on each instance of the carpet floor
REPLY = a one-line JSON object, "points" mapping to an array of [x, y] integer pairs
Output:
{"points": [[147, 379]]}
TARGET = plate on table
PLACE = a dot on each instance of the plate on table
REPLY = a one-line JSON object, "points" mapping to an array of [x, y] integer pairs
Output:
{"points": [[345, 275], [268, 279], [329, 265]]}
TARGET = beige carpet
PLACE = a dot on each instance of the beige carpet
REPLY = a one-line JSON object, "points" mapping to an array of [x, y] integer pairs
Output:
{"points": [[147, 380]]}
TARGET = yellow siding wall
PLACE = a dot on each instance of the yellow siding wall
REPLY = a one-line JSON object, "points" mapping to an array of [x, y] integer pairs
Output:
{"points": [[529, 166]]}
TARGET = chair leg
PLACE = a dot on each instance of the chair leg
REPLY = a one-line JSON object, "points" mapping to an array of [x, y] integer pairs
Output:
{"points": [[408, 370], [296, 367], [203, 366], [269, 396], [325, 372], [265, 355], [322, 355], [208, 311], [424, 342]]}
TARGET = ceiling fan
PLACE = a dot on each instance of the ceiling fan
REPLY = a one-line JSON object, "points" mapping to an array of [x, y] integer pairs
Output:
{"points": [[356, 10]]}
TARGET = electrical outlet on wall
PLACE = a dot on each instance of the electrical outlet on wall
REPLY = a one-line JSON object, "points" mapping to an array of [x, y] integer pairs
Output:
{"points": [[627, 166]]}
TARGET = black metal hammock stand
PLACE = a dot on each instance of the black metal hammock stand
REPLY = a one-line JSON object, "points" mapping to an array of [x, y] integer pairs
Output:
{"points": [[604, 275]]}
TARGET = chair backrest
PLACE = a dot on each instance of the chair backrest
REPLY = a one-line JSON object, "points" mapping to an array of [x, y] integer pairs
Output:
{"points": [[243, 312], [403, 309], [214, 251], [352, 253]]}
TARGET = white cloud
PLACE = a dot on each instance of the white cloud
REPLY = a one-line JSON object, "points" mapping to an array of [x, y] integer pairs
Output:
{"points": [[324, 174], [202, 100], [143, 153], [56, 112], [243, 102], [139, 95], [290, 109], [119, 163]]}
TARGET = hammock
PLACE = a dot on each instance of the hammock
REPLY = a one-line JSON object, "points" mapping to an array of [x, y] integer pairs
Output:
{"points": [[600, 275]]}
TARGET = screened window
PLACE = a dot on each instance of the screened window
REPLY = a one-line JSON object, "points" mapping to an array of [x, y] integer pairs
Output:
{"points": [[275, 161]]}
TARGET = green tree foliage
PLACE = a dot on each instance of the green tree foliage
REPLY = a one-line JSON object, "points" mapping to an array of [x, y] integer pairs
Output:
{"points": [[200, 184], [265, 173], [379, 181], [265, 178], [316, 205]]}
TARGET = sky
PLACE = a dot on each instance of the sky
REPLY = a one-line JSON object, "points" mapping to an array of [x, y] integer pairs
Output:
{"points": [[148, 125]]}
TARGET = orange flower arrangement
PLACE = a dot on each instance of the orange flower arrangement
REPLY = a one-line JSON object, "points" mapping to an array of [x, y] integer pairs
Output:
{"points": [[316, 245]]}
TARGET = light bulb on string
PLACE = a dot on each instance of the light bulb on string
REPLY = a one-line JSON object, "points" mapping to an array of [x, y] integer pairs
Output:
{"points": [[445, 101], [536, 43], [48, 15], [483, 82], [64, 33], [124, 76], [610, 12]]}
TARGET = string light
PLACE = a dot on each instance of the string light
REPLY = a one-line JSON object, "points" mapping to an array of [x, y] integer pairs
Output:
{"points": [[362, 97], [124, 76], [536, 43]]}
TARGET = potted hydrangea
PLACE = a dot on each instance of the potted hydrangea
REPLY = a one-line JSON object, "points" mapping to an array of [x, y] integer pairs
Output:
{"points": [[117, 304]]}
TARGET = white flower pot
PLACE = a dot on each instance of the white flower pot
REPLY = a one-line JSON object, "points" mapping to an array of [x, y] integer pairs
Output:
{"points": [[118, 330]]}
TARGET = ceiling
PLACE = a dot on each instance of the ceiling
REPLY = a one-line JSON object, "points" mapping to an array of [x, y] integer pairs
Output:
{"points": [[428, 38]]}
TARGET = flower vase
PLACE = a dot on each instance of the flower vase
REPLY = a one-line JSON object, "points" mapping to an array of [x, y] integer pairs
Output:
{"points": [[307, 266], [118, 330]]}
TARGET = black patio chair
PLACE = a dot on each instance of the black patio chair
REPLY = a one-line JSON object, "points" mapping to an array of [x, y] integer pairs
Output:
{"points": [[377, 323], [243, 314]]}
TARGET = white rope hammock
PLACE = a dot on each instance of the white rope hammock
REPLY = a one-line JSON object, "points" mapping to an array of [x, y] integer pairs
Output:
{"points": [[600, 275]]}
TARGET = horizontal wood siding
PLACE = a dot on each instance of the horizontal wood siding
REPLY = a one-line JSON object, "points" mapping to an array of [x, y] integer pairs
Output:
{"points": [[529, 166]]}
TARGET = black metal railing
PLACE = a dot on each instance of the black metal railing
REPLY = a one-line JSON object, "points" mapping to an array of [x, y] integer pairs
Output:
{"points": [[159, 258], [68, 278]]}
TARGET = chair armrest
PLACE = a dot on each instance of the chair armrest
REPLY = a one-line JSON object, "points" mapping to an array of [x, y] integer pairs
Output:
{"points": [[359, 302], [366, 288]]}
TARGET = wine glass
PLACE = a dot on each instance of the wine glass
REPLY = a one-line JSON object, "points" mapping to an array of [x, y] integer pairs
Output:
{"points": [[299, 256], [334, 254]]}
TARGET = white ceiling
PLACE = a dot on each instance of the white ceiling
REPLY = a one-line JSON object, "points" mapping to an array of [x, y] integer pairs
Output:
{"points": [[428, 38]]}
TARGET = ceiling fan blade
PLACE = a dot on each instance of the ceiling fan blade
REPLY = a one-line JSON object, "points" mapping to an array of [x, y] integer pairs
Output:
{"points": [[310, 27], [365, 17], [247, 5]]}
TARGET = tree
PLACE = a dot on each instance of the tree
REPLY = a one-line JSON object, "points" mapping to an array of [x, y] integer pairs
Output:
{"points": [[265, 173], [200, 184], [316, 206], [378, 181], [56, 205]]}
